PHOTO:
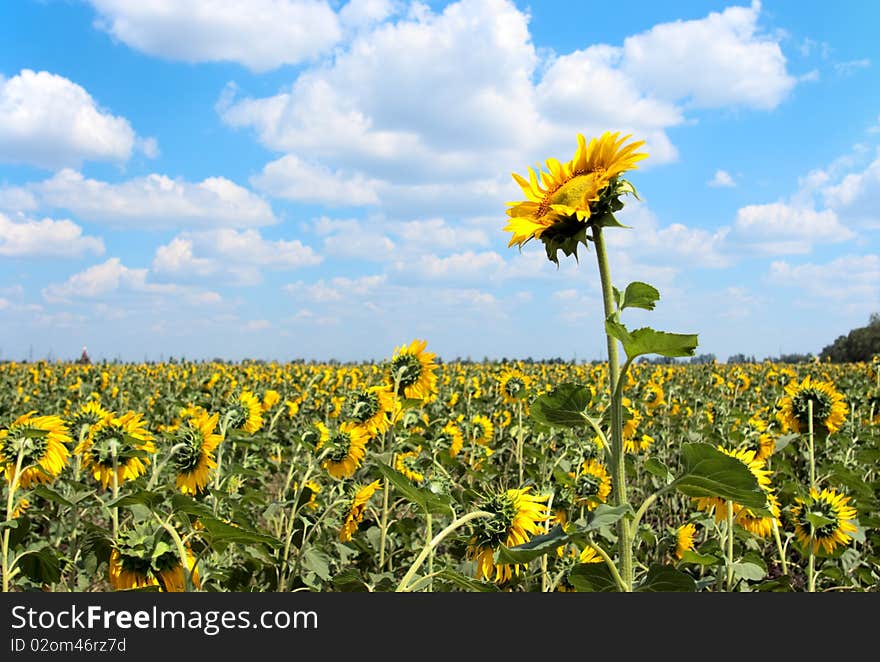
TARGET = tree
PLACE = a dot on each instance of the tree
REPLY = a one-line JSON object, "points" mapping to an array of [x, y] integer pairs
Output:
{"points": [[858, 345]]}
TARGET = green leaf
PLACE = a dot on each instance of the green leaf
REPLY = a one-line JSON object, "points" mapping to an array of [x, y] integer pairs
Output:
{"points": [[563, 406], [640, 295], [184, 504], [605, 515], [666, 579], [654, 466], [467, 583], [221, 533], [537, 546], [428, 500], [10, 524], [690, 556], [648, 341], [784, 441], [750, 571], [40, 566], [818, 520], [141, 498], [350, 581], [711, 473], [51, 495], [318, 562], [592, 578]]}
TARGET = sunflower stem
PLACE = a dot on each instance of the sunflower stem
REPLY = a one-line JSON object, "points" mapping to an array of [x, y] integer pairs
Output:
{"points": [[617, 452], [811, 566], [404, 585], [8, 569], [729, 546]]}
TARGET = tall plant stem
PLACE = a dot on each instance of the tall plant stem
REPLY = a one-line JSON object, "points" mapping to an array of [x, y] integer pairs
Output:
{"points": [[617, 453], [10, 502], [811, 568]]}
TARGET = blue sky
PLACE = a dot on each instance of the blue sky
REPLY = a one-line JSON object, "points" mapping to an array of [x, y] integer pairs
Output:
{"points": [[285, 179]]}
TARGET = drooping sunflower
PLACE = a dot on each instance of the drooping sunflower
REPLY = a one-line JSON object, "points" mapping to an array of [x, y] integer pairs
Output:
{"points": [[756, 524], [653, 397], [453, 436], [833, 510], [246, 413], [592, 485], [407, 464], [482, 429], [123, 441], [569, 197], [517, 516], [345, 450], [355, 510], [514, 385], [195, 459], [88, 414], [413, 369], [40, 441], [684, 539], [138, 561], [371, 408], [829, 407], [717, 505]]}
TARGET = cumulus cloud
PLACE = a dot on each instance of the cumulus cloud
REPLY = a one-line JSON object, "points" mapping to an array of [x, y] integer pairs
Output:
{"points": [[850, 278], [238, 256], [720, 60], [49, 121], [259, 34], [113, 279], [154, 201], [45, 238], [781, 228], [291, 178], [722, 179]]}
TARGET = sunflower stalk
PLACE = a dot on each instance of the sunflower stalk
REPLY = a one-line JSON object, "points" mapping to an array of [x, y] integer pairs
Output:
{"points": [[9, 568], [811, 564], [618, 464], [404, 585]]}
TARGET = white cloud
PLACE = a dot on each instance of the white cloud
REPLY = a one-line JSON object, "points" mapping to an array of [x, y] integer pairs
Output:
{"points": [[779, 228], [335, 289], [722, 179], [49, 121], [239, 256], [291, 178], [259, 34], [717, 61], [46, 237], [856, 196], [155, 201], [852, 66], [360, 14], [469, 265], [256, 325], [851, 278], [438, 234]]}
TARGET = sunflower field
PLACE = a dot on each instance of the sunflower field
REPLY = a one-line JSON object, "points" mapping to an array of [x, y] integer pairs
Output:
{"points": [[412, 474]]}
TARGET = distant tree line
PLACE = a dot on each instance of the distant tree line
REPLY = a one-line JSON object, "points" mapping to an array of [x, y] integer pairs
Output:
{"points": [[860, 344]]}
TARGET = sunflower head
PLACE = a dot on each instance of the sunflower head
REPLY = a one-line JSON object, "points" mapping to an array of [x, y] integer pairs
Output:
{"points": [[684, 539], [516, 516], [513, 385], [356, 509], [563, 202], [142, 558], [823, 520], [413, 370], [40, 442], [828, 406]]}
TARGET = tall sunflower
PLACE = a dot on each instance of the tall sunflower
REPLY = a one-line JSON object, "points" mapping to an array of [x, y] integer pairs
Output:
{"points": [[592, 485], [40, 440], [124, 437], [572, 195], [195, 459], [356, 509], [834, 515], [344, 451], [453, 437], [513, 385], [517, 516], [246, 413], [413, 369], [140, 559], [829, 407], [407, 464], [482, 429], [371, 408], [718, 506]]}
